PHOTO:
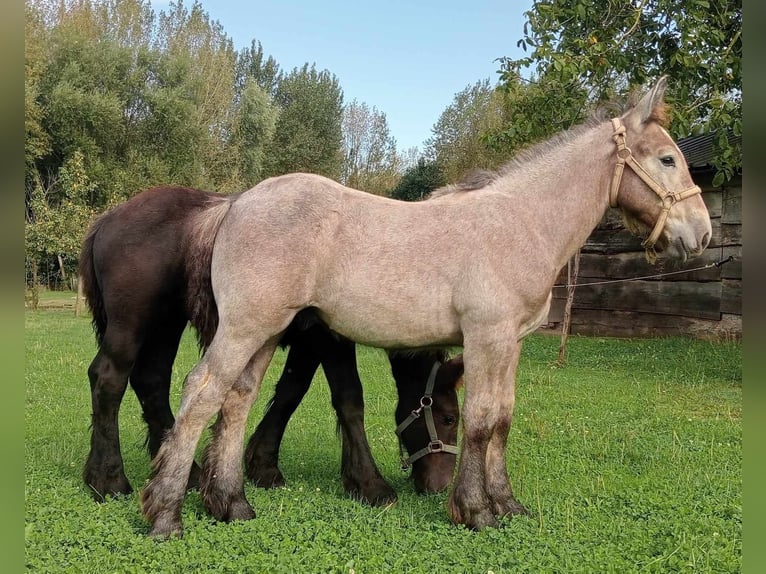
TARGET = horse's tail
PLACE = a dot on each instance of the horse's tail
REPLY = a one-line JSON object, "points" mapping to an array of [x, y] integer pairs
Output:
{"points": [[200, 303], [90, 287]]}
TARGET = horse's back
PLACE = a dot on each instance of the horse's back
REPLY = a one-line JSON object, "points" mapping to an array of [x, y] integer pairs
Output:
{"points": [[304, 240], [139, 249]]}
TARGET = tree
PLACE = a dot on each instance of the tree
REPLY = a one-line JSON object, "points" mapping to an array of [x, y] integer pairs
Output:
{"points": [[253, 65], [253, 131], [457, 142], [418, 181], [370, 157], [58, 217], [594, 50], [308, 135]]}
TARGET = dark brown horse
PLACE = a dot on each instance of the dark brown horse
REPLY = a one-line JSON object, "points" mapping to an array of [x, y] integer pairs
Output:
{"points": [[141, 278]]}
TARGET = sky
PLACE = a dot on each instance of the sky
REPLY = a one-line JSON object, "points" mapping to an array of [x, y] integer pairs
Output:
{"points": [[407, 58]]}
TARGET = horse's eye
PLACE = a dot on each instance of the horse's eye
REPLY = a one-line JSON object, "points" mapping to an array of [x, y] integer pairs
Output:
{"points": [[449, 420], [668, 161]]}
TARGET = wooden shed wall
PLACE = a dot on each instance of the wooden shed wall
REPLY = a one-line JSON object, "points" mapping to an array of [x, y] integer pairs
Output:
{"points": [[701, 304]]}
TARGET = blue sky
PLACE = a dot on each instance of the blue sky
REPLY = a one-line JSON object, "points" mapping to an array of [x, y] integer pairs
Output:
{"points": [[406, 58]]}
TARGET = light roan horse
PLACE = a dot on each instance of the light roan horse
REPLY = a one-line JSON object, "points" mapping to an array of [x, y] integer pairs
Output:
{"points": [[144, 281], [463, 268]]}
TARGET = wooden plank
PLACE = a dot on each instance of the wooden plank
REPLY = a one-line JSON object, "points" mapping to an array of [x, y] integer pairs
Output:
{"points": [[684, 298], [632, 265], [732, 205], [732, 269], [731, 234], [594, 322], [731, 296], [612, 241], [556, 312], [714, 201]]}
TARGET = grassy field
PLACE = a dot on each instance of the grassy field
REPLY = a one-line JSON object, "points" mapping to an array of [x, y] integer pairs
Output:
{"points": [[629, 457]]}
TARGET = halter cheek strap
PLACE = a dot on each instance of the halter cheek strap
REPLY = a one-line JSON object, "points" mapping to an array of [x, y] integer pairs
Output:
{"points": [[669, 199], [434, 444]]}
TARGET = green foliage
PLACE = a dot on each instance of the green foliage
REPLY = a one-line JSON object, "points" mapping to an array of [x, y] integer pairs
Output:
{"points": [[588, 51], [370, 160], [629, 457], [308, 135], [253, 131], [418, 181], [457, 143], [60, 216]]}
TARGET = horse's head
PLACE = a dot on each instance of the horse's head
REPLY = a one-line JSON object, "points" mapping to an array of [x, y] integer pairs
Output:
{"points": [[432, 458], [652, 184]]}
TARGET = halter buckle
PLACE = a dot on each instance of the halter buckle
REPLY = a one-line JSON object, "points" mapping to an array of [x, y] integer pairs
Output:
{"points": [[436, 446]]}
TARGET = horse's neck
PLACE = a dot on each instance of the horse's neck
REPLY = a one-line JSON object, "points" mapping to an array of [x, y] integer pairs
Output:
{"points": [[567, 190]]}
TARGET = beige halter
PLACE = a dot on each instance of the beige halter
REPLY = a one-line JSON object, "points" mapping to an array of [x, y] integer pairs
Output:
{"points": [[625, 156]]}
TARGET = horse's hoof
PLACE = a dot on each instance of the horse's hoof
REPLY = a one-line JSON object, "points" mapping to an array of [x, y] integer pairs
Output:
{"points": [[510, 508], [164, 529], [266, 477], [374, 493], [239, 509], [101, 486], [475, 519], [227, 507], [380, 497]]}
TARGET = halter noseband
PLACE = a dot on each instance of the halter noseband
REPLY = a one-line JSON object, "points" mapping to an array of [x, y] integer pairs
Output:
{"points": [[625, 156], [434, 444]]}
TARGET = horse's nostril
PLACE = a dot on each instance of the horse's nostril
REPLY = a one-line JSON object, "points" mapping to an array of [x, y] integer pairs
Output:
{"points": [[705, 240]]}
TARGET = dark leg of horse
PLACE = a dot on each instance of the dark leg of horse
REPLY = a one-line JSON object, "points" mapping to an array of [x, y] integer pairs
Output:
{"points": [[150, 379], [262, 454], [108, 373], [361, 477]]}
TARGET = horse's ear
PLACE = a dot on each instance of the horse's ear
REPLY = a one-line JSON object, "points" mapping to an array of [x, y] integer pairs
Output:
{"points": [[652, 100], [651, 103], [451, 372]]}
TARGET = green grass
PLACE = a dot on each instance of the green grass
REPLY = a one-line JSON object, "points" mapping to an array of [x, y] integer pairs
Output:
{"points": [[629, 458]]}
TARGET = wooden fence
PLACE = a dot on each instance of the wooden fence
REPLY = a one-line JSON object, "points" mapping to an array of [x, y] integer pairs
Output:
{"points": [[701, 304]]}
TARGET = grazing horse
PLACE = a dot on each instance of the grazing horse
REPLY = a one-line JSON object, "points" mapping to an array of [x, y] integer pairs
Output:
{"points": [[142, 278], [472, 268]]}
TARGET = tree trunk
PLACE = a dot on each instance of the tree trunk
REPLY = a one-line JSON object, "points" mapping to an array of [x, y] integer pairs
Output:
{"points": [[61, 266]]}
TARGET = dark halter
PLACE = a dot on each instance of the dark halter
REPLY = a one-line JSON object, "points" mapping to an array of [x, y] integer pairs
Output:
{"points": [[434, 445]]}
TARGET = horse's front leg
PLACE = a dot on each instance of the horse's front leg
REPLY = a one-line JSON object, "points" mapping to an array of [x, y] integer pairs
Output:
{"points": [[262, 453], [221, 481], [488, 364], [497, 483]]}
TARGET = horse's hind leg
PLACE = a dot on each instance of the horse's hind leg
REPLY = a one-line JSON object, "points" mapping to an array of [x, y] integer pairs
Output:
{"points": [[262, 453], [361, 477], [150, 379], [215, 379], [108, 373], [221, 480]]}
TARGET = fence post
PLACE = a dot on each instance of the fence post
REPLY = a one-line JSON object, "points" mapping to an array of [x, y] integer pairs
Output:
{"points": [[573, 267]]}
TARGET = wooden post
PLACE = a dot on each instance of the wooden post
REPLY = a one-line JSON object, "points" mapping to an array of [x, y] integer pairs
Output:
{"points": [[79, 298], [573, 267]]}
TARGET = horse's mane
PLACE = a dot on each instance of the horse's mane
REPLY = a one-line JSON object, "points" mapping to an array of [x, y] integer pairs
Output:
{"points": [[480, 178]]}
